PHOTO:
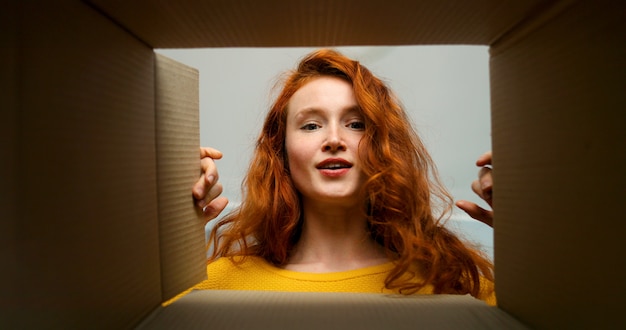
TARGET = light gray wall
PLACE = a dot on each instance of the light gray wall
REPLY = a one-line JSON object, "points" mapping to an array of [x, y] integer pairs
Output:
{"points": [[445, 90]]}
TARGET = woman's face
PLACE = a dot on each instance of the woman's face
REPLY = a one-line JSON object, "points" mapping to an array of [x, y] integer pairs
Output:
{"points": [[324, 128]]}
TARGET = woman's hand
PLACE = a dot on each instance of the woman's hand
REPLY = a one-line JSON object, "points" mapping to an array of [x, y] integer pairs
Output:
{"points": [[483, 187], [207, 190]]}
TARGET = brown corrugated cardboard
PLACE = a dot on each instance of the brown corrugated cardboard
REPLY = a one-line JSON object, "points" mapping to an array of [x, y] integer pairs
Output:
{"points": [[86, 172], [9, 77], [272, 23], [558, 138], [178, 165], [84, 193], [313, 310]]}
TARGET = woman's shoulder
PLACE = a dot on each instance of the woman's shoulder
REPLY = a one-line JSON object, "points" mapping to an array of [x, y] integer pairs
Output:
{"points": [[223, 262], [235, 266], [218, 271], [233, 263], [487, 291]]}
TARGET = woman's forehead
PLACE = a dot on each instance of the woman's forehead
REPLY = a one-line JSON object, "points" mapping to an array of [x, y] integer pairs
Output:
{"points": [[323, 94]]}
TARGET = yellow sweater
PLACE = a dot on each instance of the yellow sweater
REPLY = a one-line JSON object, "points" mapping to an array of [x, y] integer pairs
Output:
{"points": [[255, 273]]}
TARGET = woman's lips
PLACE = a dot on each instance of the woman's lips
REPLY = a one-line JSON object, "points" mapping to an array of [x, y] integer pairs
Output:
{"points": [[333, 173], [334, 167]]}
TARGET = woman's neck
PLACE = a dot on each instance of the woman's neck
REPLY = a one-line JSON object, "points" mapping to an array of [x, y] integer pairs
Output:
{"points": [[334, 238]]}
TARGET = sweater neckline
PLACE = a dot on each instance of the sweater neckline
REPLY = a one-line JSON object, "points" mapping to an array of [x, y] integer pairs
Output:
{"points": [[383, 268]]}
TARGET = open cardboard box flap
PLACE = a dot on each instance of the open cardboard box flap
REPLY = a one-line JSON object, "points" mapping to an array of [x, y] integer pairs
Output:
{"points": [[101, 140], [313, 310]]}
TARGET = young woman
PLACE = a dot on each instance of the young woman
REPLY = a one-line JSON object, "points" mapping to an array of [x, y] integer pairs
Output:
{"points": [[341, 195]]}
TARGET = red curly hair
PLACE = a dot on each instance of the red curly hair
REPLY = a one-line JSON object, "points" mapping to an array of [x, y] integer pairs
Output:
{"points": [[404, 201]]}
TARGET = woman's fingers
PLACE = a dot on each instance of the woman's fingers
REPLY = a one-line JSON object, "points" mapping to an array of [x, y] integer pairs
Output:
{"points": [[210, 152], [214, 208], [209, 175], [483, 186], [476, 212], [207, 189], [484, 159]]}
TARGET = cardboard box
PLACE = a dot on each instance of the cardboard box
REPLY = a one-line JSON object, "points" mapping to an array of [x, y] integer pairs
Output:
{"points": [[99, 145]]}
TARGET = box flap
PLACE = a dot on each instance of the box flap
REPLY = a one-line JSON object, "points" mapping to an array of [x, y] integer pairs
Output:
{"points": [[558, 140], [309, 310], [9, 149], [86, 226], [252, 23], [183, 258]]}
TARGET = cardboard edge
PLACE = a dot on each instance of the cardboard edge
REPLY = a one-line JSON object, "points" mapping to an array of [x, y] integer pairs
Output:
{"points": [[10, 146], [243, 309], [538, 17], [181, 227]]}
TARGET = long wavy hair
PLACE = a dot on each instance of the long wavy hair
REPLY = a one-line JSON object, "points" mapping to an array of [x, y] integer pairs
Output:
{"points": [[404, 202]]}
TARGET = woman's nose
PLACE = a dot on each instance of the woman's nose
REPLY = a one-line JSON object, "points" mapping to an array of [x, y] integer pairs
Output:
{"points": [[334, 141]]}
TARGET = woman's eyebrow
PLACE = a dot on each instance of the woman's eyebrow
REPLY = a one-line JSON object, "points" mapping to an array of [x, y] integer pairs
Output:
{"points": [[356, 109], [308, 112], [313, 111]]}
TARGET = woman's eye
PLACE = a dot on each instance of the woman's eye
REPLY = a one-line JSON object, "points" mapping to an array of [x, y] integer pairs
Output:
{"points": [[310, 127], [358, 125]]}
